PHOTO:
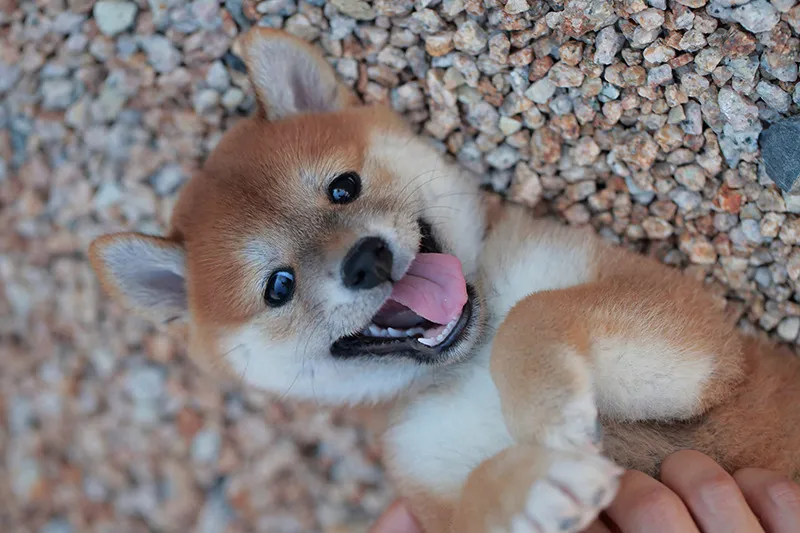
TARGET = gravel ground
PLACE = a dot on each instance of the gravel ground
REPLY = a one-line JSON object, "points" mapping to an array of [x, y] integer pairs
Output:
{"points": [[639, 117]]}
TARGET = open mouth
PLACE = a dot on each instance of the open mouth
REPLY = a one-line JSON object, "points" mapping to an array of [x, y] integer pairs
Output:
{"points": [[427, 313]]}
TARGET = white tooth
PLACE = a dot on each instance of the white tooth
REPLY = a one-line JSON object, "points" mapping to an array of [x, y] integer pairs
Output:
{"points": [[428, 342], [396, 333], [440, 337], [415, 331], [452, 322], [374, 330]]}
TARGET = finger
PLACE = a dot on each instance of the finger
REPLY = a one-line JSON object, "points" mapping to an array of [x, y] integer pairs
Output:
{"points": [[711, 494], [396, 519], [774, 498], [643, 505]]}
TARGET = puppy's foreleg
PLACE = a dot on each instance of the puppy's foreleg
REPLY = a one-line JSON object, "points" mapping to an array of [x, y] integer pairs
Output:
{"points": [[529, 488], [634, 352]]}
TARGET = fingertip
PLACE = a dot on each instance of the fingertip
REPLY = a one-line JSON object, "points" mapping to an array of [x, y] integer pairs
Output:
{"points": [[396, 519]]}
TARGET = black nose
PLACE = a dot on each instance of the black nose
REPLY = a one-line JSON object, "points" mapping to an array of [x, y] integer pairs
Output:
{"points": [[368, 264]]}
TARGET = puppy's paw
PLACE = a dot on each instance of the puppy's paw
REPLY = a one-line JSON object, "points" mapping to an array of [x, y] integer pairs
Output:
{"points": [[579, 428], [570, 496]]}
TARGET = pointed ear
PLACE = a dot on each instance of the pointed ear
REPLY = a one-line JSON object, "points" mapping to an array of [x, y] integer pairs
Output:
{"points": [[290, 76], [145, 274]]}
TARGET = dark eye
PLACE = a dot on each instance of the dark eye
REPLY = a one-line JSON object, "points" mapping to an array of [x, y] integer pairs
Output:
{"points": [[345, 188], [280, 287]]}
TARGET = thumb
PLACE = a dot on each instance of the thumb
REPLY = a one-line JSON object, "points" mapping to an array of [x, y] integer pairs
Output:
{"points": [[396, 519]]}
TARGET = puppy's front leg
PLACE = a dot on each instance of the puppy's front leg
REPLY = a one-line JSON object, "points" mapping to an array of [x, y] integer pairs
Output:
{"points": [[530, 488], [630, 347], [540, 364]]}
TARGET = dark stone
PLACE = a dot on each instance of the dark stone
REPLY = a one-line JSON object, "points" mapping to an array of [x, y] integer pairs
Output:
{"points": [[780, 151], [234, 62]]}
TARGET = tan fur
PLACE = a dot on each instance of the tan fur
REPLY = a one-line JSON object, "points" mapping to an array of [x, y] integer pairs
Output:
{"points": [[568, 329]]}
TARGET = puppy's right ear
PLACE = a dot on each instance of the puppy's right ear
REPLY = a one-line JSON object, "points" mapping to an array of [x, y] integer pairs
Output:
{"points": [[289, 76], [145, 274]]}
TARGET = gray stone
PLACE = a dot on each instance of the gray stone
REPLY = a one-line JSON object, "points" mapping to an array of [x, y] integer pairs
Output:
{"points": [[206, 446], [107, 195], [774, 96], [114, 16], [784, 6], [161, 54], [217, 77], [503, 157], [58, 93], [607, 44], [167, 179], [58, 525], [789, 328], [734, 143], [232, 98], [470, 37], [780, 151], [659, 75], [67, 22], [356, 9], [9, 75], [736, 110], [341, 27], [780, 66], [541, 91], [146, 383], [757, 16], [205, 100]]}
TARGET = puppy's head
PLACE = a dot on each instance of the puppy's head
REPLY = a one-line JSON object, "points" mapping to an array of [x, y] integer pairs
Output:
{"points": [[322, 252]]}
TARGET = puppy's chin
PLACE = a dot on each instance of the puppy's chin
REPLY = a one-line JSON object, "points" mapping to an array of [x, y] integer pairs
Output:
{"points": [[305, 370]]}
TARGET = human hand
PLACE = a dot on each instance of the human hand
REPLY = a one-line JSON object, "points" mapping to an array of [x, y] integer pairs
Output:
{"points": [[695, 494]]}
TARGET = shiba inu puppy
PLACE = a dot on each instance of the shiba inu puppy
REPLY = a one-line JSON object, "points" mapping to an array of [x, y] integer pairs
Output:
{"points": [[326, 252]]}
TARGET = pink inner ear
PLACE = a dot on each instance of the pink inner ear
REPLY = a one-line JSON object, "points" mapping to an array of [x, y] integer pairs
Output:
{"points": [[434, 287]]}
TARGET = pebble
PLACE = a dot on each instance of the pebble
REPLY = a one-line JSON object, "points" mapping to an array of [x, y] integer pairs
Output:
{"points": [[114, 16], [541, 91], [161, 53], [788, 328], [780, 150], [168, 179], [736, 110], [693, 177], [503, 157], [707, 60], [608, 44], [756, 16], [650, 18], [217, 77], [357, 9], [206, 446], [205, 100], [774, 96], [58, 93], [659, 75], [564, 75], [470, 37]]}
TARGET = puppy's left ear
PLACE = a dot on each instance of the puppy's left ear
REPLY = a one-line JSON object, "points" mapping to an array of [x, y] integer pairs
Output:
{"points": [[290, 76]]}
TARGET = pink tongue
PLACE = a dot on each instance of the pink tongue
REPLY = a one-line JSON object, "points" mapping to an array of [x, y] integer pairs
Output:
{"points": [[434, 287]]}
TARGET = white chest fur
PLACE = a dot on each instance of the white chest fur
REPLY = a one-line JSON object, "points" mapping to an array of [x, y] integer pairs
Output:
{"points": [[442, 436]]}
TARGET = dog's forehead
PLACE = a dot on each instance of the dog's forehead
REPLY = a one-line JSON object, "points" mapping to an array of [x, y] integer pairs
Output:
{"points": [[263, 173]]}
